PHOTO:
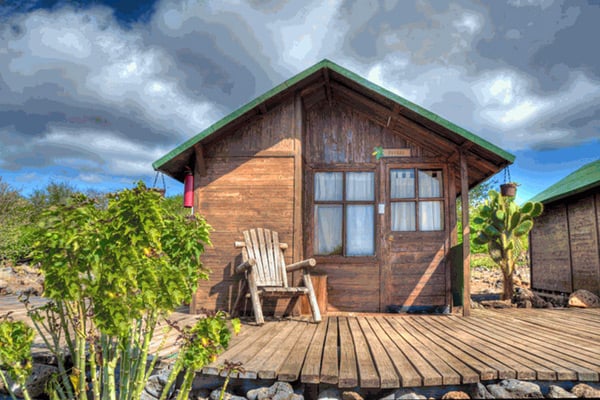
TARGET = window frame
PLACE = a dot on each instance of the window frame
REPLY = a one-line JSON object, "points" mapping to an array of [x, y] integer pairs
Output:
{"points": [[343, 258], [417, 199]]}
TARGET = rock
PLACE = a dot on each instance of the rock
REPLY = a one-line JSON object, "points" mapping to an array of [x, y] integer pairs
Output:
{"points": [[40, 374], [200, 394], [277, 391], [498, 392], [480, 392], [454, 394], [155, 385], [351, 396], [556, 392], [585, 391], [215, 394], [584, 299], [330, 394], [404, 394], [521, 390], [525, 298], [496, 303]]}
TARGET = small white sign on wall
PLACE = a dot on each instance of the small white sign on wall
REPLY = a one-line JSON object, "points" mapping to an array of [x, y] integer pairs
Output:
{"points": [[381, 208]]}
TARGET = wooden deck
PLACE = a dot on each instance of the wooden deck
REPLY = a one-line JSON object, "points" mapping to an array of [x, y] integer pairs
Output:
{"points": [[391, 351]]}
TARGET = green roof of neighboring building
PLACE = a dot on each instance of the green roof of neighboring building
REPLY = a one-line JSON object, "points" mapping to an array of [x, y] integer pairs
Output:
{"points": [[350, 75], [579, 181]]}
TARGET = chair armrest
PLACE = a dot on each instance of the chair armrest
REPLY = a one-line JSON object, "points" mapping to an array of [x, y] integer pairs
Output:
{"points": [[310, 263], [245, 265]]}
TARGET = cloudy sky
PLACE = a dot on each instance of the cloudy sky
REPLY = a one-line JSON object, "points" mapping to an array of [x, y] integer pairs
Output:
{"points": [[93, 92]]}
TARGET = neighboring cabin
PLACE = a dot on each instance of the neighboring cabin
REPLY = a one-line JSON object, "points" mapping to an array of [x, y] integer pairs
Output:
{"points": [[564, 242], [298, 160]]}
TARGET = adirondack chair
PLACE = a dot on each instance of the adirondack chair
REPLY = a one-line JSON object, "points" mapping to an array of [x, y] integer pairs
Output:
{"points": [[266, 273]]}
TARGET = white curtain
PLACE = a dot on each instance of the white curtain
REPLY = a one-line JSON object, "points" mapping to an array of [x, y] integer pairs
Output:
{"points": [[402, 182], [328, 186], [360, 186], [328, 222], [403, 216], [360, 230], [430, 215], [430, 184]]}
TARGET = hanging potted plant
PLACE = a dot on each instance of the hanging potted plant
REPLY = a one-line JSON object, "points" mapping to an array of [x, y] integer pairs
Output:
{"points": [[508, 188]]}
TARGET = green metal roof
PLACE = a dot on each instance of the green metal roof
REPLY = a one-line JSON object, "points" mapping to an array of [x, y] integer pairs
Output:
{"points": [[579, 181], [350, 75]]}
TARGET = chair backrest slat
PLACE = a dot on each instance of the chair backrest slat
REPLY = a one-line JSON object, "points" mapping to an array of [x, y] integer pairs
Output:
{"points": [[263, 246]]}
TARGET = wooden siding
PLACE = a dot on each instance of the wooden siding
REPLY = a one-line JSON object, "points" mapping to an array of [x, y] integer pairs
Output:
{"points": [[551, 260], [583, 235], [248, 182], [565, 245]]}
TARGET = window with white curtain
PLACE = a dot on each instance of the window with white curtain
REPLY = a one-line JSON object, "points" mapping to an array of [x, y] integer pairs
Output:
{"points": [[344, 213], [416, 198]]}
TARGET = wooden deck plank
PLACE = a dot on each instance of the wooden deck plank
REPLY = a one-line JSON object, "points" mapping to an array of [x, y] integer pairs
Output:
{"points": [[585, 371], [545, 369], [488, 352], [311, 371], [385, 368], [566, 337], [368, 377], [259, 363], [467, 374], [449, 376], [252, 345], [348, 371], [452, 356], [329, 364], [290, 370], [488, 367], [406, 372], [430, 376], [270, 369]]}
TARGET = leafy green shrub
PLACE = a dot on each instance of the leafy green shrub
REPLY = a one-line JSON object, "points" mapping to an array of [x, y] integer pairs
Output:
{"points": [[16, 233], [15, 353], [112, 272]]}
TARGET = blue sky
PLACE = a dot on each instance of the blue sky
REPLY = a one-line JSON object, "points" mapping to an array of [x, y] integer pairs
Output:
{"points": [[92, 92]]}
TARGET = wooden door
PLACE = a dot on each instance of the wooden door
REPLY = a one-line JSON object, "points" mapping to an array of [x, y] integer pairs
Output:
{"points": [[414, 232]]}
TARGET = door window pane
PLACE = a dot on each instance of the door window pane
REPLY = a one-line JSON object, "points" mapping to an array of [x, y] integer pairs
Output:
{"points": [[430, 183], [360, 186], [402, 182], [403, 216], [360, 230], [328, 186], [328, 224], [430, 216]]}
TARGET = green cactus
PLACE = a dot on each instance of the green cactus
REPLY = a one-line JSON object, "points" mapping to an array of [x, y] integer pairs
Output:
{"points": [[503, 223]]}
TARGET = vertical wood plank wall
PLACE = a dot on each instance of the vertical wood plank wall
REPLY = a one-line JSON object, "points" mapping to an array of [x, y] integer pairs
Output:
{"points": [[565, 252], [249, 182]]}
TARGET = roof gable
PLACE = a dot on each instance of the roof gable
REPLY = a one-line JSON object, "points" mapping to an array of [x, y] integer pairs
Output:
{"points": [[586, 177], [326, 71]]}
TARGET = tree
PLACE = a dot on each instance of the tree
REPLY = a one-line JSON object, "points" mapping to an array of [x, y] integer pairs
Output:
{"points": [[502, 224]]}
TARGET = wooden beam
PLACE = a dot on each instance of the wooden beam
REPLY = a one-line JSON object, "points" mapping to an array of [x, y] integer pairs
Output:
{"points": [[298, 128], [464, 196], [199, 162], [327, 85]]}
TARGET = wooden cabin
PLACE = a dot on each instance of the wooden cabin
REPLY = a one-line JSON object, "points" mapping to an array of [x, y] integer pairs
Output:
{"points": [[299, 160], [564, 242]]}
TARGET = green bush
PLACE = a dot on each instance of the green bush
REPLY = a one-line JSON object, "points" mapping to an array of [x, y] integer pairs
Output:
{"points": [[16, 233]]}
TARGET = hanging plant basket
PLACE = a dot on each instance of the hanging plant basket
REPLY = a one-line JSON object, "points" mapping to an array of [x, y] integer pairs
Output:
{"points": [[508, 189]]}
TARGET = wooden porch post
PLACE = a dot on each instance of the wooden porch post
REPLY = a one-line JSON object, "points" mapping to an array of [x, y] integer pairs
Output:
{"points": [[466, 247]]}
